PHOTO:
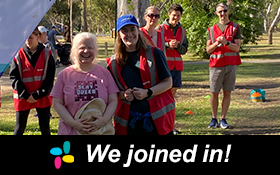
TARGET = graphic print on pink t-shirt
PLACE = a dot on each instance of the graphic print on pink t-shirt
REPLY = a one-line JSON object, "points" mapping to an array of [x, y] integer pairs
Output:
{"points": [[85, 90]]}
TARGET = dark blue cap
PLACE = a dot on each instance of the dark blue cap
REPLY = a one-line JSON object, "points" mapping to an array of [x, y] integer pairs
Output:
{"points": [[126, 20]]}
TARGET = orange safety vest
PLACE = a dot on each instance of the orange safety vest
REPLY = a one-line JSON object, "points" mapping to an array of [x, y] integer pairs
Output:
{"points": [[32, 79], [162, 106], [174, 59], [160, 39], [222, 55]]}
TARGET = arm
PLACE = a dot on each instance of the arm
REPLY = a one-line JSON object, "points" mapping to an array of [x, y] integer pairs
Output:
{"points": [[235, 46], [211, 47], [182, 48]]}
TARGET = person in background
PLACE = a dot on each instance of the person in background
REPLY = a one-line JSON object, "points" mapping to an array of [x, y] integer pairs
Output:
{"points": [[223, 44], [52, 38], [146, 105], [155, 37], [81, 82], [32, 75], [44, 40], [176, 43]]}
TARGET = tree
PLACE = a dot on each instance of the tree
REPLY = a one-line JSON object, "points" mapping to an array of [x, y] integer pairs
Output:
{"points": [[273, 24], [134, 7], [101, 15], [198, 15]]}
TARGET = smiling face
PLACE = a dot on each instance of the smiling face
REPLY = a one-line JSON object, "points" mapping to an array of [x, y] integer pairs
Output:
{"points": [[152, 17], [129, 35], [174, 17], [222, 12], [85, 53]]}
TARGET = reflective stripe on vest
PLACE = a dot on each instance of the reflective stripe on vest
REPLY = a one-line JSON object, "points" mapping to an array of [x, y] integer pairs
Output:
{"points": [[120, 121], [174, 59], [163, 111], [225, 54]]}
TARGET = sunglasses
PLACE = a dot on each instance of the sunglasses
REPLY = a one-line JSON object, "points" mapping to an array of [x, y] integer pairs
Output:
{"points": [[153, 15], [223, 11]]}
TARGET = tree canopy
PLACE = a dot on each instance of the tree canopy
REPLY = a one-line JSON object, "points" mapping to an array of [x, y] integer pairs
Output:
{"points": [[253, 16]]}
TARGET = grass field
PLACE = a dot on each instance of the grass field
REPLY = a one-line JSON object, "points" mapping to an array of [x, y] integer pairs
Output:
{"points": [[244, 116]]}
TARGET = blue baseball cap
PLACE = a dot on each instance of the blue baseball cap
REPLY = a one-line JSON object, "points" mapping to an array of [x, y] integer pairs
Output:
{"points": [[126, 20]]}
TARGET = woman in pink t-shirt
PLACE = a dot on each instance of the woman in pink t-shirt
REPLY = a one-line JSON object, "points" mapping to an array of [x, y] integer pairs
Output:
{"points": [[78, 84]]}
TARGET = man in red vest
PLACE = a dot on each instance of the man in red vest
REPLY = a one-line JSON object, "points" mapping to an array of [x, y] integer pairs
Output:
{"points": [[223, 44], [176, 43]]}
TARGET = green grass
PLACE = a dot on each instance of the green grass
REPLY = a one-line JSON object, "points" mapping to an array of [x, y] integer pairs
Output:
{"points": [[8, 119], [245, 116]]}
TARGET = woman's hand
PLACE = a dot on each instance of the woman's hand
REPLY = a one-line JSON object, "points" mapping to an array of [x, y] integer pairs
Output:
{"points": [[81, 126], [128, 95], [97, 123], [140, 93]]}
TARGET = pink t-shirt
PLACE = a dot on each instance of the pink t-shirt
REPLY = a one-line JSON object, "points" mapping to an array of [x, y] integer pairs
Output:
{"points": [[77, 88]]}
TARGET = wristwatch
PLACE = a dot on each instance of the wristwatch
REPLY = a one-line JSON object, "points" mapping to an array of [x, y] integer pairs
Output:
{"points": [[149, 93], [228, 43]]}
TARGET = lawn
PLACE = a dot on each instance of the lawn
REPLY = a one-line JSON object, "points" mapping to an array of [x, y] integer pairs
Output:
{"points": [[244, 116]]}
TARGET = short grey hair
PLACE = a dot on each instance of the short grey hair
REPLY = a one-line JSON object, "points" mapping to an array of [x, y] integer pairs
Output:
{"points": [[222, 5], [77, 40]]}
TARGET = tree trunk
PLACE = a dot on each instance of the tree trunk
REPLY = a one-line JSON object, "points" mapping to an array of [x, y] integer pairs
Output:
{"points": [[273, 24], [85, 26], [134, 7], [266, 18]]}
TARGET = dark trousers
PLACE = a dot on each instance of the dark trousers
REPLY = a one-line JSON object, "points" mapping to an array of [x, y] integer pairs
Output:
{"points": [[44, 121]]}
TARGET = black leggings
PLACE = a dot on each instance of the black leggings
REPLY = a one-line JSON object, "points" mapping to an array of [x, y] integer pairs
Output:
{"points": [[44, 121]]}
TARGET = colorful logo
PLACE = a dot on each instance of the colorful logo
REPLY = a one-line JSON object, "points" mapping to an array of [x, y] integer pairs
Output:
{"points": [[56, 151]]}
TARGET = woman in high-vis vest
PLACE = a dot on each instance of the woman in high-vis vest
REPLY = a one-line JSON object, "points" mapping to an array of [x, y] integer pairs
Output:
{"points": [[32, 74], [153, 36], [146, 105]]}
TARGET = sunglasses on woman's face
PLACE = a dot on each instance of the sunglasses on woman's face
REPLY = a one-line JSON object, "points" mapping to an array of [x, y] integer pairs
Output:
{"points": [[223, 11], [153, 15]]}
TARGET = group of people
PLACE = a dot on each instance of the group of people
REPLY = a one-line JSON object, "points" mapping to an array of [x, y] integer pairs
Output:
{"points": [[139, 84]]}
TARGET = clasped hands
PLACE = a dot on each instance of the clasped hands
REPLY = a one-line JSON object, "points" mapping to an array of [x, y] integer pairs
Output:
{"points": [[173, 44], [85, 127], [137, 93], [222, 40]]}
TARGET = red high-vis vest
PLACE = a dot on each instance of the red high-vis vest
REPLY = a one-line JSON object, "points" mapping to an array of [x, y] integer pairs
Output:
{"points": [[162, 106], [32, 79], [222, 55], [160, 39], [174, 59]]}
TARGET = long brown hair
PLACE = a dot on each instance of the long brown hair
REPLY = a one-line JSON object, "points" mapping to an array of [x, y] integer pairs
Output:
{"points": [[121, 52]]}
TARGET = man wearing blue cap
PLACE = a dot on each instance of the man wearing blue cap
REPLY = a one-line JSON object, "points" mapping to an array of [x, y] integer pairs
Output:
{"points": [[146, 105]]}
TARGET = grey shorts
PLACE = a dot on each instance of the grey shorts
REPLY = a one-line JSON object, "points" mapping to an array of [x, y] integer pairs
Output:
{"points": [[222, 77]]}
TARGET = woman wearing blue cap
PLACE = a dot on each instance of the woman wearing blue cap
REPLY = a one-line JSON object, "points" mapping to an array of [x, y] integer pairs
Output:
{"points": [[146, 105]]}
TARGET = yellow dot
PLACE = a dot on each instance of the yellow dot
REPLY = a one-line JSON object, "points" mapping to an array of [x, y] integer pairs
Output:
{"points": [[68, 158]]}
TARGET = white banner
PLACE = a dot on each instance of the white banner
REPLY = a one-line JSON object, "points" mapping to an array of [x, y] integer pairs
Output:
{"points": [[18, 19]]}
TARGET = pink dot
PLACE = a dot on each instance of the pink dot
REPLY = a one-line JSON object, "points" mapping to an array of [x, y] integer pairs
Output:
{"points": [[57, 162]]}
